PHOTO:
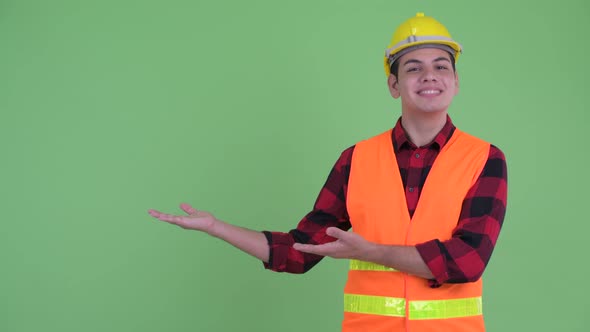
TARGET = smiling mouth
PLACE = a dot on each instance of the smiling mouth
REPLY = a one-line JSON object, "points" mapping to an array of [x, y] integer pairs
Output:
{"points": [[429, 92]]}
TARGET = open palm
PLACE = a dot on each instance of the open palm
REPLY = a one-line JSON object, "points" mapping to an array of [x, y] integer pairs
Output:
{"points": [[195, 219]]}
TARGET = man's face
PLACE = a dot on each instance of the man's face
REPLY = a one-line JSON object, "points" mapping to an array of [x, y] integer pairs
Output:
{"points": [[426, 81]]}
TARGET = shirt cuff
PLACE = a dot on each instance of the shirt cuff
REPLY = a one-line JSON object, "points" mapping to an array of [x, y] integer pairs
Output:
{"points": [[268, 236], [436, 262], [279, 245]]}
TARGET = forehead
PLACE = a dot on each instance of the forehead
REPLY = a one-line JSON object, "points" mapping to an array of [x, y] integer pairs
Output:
{"points": [[425, 55]]}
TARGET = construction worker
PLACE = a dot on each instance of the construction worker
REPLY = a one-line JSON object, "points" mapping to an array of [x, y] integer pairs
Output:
{"points": [[425, 202]]}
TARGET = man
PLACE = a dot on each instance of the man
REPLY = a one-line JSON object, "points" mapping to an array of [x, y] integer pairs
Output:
{"points": [[425, 201]]}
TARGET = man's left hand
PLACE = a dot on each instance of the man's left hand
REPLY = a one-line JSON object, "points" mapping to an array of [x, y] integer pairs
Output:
{"points": [[348, 245]]}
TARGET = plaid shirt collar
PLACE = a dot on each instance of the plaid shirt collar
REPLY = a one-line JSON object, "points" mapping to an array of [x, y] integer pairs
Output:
{"points": [[402, 141]]}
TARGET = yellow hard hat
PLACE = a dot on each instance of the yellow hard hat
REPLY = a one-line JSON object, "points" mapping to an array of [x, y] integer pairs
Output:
{"points": [[417, 32]]}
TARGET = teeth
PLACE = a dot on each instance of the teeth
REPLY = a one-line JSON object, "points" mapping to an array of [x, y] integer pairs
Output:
{"points": [[429, 92]]}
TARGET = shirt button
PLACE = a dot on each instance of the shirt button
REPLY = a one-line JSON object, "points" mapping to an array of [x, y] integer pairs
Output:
{"points": [[411, 189], [417, 155]]}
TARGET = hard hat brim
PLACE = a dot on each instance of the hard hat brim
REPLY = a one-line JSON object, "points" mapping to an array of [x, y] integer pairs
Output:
{"points": [[394, 53]]}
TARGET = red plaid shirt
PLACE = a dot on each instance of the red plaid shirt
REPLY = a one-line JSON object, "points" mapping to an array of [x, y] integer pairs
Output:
{"points": [[463, 258]]}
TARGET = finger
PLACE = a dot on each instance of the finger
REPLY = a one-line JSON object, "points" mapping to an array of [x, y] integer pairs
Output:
{"points": [[308, 248], [319, 249], [154, 213], [167, 217], [188, 208]]}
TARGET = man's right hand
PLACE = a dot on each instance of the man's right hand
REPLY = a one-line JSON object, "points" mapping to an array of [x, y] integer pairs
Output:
{"points": [[249, 241], [195, 219]]}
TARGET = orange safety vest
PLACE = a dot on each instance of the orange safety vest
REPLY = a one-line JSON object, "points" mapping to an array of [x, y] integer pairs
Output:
{"points": [[378, 298]]}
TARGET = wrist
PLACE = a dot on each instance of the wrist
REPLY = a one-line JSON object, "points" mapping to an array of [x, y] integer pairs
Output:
{"points": [[215, 228], [372, 253]]}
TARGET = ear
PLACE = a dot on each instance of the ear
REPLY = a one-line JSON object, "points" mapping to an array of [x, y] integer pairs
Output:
{"points": [[456, 83], [393, 86]]}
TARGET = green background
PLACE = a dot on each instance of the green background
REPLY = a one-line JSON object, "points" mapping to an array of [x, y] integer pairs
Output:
{"points": [[109, 108]]}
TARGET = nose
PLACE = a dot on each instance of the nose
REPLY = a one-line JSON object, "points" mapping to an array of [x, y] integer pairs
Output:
{"points": [[428, 75]]}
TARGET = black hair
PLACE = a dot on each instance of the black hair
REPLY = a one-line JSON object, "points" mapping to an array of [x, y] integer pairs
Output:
{"points": [[395, 66]]}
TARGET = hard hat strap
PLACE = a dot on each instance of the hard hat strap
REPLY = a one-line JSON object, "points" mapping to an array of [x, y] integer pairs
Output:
{"points": [[391, 59]]}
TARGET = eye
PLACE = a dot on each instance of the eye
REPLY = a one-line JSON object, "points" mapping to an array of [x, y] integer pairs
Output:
{"points": [[441, 67], [412, 69]]}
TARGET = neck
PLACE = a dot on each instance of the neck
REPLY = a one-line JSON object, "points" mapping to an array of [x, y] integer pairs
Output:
{"points": [[422, 128]]}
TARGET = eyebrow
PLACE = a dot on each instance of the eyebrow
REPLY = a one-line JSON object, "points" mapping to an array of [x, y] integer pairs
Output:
{"points": [[441, 58]]}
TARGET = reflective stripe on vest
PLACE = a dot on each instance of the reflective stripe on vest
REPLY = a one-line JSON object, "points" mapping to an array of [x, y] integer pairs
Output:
{"points": [[368, 266], [396, 307]]}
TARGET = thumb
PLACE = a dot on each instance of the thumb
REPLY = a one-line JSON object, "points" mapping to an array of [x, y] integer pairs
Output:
{"points": [[336, 233], [188, 208]]}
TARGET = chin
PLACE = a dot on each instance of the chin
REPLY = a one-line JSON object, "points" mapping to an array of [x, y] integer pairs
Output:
{"points": [[432, 110]]}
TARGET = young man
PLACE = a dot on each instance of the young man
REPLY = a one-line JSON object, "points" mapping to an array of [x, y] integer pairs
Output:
{"points": [[425, 201]]}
